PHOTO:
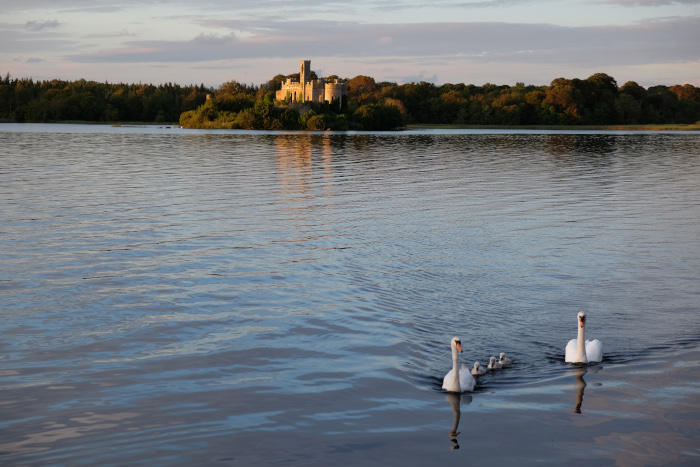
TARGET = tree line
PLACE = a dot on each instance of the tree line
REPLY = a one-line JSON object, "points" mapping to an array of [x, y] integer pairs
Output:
{"points": [[596, 100], [26, 100]]}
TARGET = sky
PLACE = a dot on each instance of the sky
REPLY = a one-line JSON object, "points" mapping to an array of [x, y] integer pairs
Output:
{"points": [[650, 42]]}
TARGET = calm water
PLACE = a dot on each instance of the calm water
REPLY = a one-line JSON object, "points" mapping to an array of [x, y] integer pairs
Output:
{"points": [[180, 297]]}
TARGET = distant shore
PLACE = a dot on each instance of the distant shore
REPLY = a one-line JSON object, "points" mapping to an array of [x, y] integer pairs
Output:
{"points": [[666, 127], [440, 126]]}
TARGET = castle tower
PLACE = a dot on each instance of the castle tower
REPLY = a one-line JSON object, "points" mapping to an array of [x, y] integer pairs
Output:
{"points": [[305, 73], [319, 90]]}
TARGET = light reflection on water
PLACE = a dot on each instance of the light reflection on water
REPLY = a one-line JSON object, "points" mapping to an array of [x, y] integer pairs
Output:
{"points": [[191, 290]]}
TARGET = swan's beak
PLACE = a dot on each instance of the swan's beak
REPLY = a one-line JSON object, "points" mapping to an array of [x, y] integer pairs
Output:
{"points": [[582, 321], [459, 346]]}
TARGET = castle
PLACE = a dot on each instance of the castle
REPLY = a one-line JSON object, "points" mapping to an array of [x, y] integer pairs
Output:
{"points": [[318, 90]]}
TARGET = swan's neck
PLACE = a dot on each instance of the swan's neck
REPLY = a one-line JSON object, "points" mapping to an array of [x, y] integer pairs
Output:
{"points": [[455, 368], [581, 345]]}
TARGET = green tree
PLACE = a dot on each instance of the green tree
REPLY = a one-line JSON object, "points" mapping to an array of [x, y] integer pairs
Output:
{"points": [[379, 117], [628, 109], [7, 99], [662, 104], [599, 93], [634, 90], [318, 123]]}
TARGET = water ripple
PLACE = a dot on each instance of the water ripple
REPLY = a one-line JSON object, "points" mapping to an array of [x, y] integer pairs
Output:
{"points": [[147, 266]]}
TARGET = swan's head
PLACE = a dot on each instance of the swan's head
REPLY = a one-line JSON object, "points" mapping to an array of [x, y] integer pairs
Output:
{"points": [[492, 360], [476, 365], [503, 355], [582, 318], [457, 343]]}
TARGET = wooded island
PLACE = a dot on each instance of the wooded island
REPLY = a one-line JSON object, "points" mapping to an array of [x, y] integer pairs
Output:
{"points": [[369, 105]]}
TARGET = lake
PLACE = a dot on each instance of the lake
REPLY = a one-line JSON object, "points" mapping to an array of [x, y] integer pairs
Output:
{"points": [[190, 297]]}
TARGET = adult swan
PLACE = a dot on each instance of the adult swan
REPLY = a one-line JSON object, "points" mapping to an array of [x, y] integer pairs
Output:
{"points": [[458, 379], [580, 350]]}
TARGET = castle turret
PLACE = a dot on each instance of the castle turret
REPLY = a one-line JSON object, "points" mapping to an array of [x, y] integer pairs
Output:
{"points": [[310, 90], [305, 73]]}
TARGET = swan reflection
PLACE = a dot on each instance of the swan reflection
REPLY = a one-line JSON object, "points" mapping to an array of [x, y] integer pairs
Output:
{"points": [[580, 385], [455, 400]]}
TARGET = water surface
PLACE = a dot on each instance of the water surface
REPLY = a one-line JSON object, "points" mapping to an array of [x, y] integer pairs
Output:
{"points": [[184, 297]]}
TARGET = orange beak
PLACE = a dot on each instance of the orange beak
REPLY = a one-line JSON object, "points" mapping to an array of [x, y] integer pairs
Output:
{"points": [[459, 346], [580, 323]]}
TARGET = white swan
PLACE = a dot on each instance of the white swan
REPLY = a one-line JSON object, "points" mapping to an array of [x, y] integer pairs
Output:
{"points": [[478, 371], [580, 350], [458, 379], [505, 361], [494, 365]]}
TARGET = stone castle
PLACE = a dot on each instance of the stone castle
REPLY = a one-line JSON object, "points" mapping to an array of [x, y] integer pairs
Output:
{"points": [[317, 90]]}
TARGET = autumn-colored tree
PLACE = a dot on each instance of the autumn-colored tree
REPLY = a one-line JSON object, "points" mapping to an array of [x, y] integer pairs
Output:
{"points": [[564, 98], [194, 99], [595, 100], [396, 103], [534, 98], [361, 88], [451, 102], [234, 87], [686, 91]]}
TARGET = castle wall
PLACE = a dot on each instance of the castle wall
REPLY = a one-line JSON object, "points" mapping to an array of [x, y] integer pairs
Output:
{"points": [[307, 90], [335, 91]]}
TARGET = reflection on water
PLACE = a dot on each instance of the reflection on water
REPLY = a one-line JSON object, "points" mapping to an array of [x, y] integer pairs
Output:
{"points": [[225, 285], [580, 385], [51, 433], [456, 400]]}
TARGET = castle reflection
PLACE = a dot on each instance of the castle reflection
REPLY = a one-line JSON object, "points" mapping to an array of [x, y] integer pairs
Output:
{"points": [[305, 180], [295, 155]]}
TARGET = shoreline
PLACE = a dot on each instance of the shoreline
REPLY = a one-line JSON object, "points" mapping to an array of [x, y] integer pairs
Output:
{"points": [[421, 126], [448, 126]]}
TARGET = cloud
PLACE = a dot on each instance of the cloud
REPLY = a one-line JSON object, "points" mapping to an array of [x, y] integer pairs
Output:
{"points": [[660, 41], [416, 78], [35, 60], [122, 33], [18, 42], [282, 9], [215, 40], [637, 3], [486, 3], [36, 26], [107, 6]]}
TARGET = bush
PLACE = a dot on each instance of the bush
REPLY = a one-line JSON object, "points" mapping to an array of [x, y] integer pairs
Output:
{"points": [[377, 117], [340, 124], [317, 123]]}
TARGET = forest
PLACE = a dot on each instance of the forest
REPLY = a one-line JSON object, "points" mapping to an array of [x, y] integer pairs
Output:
{"points": [[370, 105]]}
